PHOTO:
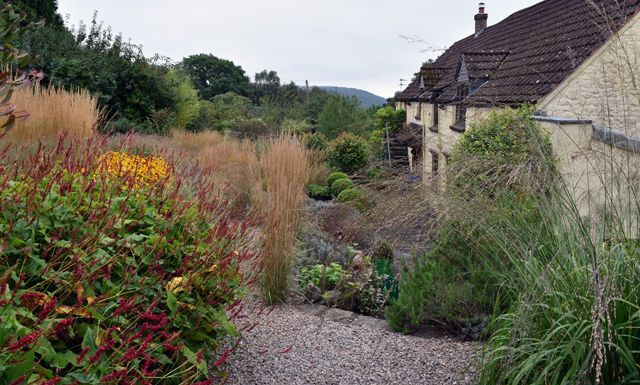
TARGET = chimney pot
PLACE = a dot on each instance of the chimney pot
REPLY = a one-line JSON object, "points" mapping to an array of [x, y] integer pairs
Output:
{"points": [[481, 19]]}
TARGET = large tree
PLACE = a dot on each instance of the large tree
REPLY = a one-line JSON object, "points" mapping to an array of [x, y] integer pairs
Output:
{"points": [[126, 83], [342, 113], [265, 84], [36, 9], [214, 76]]}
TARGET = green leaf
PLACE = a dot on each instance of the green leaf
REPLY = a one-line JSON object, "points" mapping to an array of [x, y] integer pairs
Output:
{"points": [[16, 371], [199, 336], [83, 378], [172, 302], [96, 315], [229, 328], [90, 341], [81, 328]]}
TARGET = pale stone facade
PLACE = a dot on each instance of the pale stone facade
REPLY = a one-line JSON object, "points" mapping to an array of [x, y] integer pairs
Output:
{"points": [[600, 176], [606, 87]]}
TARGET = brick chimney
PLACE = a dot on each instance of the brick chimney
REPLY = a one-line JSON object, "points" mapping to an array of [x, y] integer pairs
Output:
{"points": [[481, 19]]}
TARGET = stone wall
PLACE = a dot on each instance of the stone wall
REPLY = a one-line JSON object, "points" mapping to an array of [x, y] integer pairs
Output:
{"points": [[600, 171]]}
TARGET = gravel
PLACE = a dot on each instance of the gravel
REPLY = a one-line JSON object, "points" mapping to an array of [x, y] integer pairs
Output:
{"points": [[292, 347]]}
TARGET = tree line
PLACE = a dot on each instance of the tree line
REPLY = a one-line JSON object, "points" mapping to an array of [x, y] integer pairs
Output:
{"points": [[156, 94]]}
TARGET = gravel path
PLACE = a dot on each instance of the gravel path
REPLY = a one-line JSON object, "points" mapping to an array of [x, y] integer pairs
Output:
{"points": [[292, 347]]}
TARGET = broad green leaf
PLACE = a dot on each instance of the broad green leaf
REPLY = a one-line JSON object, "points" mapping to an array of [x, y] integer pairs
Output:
{"points": [[83, 378], [172, 302], [90, 341], [229, 327], [16, 371], [199, 336]]}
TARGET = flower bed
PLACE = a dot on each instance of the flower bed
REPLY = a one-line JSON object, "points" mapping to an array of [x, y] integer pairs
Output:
{"points": [[111, 274]]}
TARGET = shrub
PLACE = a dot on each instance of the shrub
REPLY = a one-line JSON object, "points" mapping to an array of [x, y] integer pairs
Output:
{"points": [[348, 152], [318, 191], [124, 126], [251, 129], [374, 172], [348, 195], [315, 141], [318, 248], [297, 127], [491, 188], [345, 224], [111, 272], [331, 275], [340, 185], [365, 295], [383, 250], [335, 176]]}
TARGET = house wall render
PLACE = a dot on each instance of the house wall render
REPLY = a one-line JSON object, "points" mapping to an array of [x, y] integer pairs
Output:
{"points": [[606, 87]]}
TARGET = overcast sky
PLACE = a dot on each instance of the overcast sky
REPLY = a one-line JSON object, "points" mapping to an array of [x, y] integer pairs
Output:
{"points": [[347, 43]]}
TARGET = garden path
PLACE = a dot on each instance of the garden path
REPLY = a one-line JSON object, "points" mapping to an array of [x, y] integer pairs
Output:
{"points": [[292, 346]]}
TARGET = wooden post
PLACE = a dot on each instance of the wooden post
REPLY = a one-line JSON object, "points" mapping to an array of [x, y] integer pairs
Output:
{"points": [[386, 126]]}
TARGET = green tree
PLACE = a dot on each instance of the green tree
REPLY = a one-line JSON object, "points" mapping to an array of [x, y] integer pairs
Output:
{"points": [[213, 76], [221, 113], [127, 84], [318, 97], [394, 119], [342, 113], [36, 9], [187, 97], [266, 83]]}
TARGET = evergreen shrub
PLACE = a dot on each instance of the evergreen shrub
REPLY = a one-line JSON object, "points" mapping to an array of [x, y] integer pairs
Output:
{"points": [[315, 141], [348, 152], [340, 185], [348, 195], [314, 190], [335, 176], [383, 250]]}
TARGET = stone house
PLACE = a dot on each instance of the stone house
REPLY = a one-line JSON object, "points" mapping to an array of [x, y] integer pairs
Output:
{"points": [[578, 60], [564, 55]]}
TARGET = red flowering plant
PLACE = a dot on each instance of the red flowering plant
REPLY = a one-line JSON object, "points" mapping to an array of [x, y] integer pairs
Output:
{"points": [[106, 280]]}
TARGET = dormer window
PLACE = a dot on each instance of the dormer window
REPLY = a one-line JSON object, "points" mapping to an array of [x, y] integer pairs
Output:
{"points": [[462, 92]]}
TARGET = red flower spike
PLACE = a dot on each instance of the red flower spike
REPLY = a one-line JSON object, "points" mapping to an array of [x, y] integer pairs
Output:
{"points": [[19, 380], [52, 382], [222, 359]]}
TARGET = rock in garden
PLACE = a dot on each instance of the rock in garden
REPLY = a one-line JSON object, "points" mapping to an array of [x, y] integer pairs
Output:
{"points": [[358, 260], [313, 293]]}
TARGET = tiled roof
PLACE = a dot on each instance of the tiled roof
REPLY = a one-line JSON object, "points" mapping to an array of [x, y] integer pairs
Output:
{"points": [[481, 65], [409, 93], [525, 56]]}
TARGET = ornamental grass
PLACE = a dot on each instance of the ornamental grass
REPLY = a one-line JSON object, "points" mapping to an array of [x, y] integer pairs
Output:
{"points": [[53, 110], [269, 178]]}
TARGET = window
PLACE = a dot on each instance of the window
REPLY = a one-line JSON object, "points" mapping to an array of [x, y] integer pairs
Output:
{"points": [[434, 127], [462, 93], [419, 115], [435, 114], [434, 162]]}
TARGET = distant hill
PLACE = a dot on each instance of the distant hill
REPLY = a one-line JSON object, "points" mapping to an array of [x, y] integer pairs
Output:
{"points": [[366, 97]]}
